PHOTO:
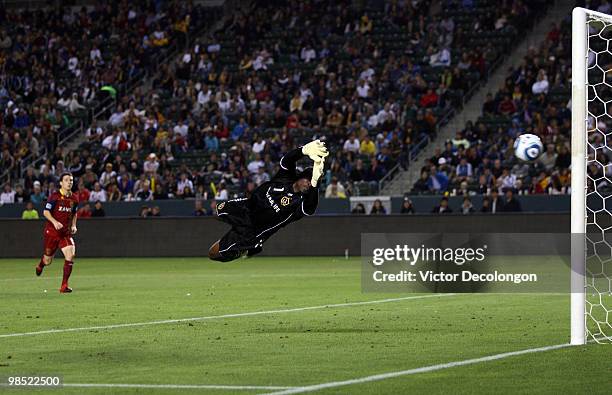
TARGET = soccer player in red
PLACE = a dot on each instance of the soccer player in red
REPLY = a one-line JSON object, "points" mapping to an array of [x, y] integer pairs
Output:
{"points": [[61, 214]]}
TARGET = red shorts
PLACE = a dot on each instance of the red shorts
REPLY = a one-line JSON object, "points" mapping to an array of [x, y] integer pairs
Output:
{"points": [[53, 241]]}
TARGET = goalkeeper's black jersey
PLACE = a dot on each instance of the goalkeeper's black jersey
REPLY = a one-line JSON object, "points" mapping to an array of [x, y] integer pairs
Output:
{"points": [[275, 204]]}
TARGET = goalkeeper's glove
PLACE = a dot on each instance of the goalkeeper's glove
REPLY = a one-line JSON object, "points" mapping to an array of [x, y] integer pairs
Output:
{"points": [[316, 150], [317, 171]]}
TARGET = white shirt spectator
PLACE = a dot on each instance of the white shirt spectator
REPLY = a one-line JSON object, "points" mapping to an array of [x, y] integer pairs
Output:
{"points": [[116, 118], [182, 184], [99, 195], [440, 58], [259, 146], [73, 62], [105, 177], [222, 194], [384, 115], [363, 91], [111, 142], [330, 188], [204, 97], [95, 54], [367, 74], [93, 131], [253, 166], [307, 54], [7, 197], [540, 86], [183, 130], [351, 145], [508, 181], [373, 120], [150, 166], [305, 93]]}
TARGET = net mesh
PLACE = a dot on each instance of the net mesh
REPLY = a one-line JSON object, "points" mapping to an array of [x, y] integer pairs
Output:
{"points": [[599, 180]]}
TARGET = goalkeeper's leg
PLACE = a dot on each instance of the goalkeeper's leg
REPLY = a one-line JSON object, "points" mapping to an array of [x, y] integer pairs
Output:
{"points": [[215, 254]]}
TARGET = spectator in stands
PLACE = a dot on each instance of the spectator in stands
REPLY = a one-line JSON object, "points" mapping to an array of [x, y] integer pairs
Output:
{"points": [[108, 175], [98, 194], [8, 195], [199, 209], [145, 212], [378, 208], [541, 85], [84, 212], [549, 158], [29, 212], [486, 205], [443, 207], [144, 192], [496, 202], [151, 165], [422, 185], [335, 190], [359, 209], [467, 207], [155, 211], [222, 193], [37, 196], [407, 207], [511, 204]]}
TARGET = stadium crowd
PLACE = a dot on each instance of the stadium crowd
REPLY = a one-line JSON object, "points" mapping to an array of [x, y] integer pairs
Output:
{"points": [[371, 81], [51, 75], [534, 99]]}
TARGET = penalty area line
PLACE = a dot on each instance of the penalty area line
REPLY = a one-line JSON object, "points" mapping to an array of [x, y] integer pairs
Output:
{"points": [[424, 369], [222, 316]]}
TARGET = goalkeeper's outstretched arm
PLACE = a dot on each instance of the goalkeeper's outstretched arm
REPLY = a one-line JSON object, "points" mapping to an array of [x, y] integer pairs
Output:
{"points": [[311, 198]]}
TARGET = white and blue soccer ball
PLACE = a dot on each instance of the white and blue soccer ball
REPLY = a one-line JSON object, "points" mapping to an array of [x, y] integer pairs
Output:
{"points": [[528, 147]]}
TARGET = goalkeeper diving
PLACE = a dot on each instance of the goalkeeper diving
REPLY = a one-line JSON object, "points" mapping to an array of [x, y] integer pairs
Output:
{"points": [[288, 197]]}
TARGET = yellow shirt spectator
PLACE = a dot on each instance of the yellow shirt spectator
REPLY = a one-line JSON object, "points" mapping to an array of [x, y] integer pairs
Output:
{"points": [[367, 147]]}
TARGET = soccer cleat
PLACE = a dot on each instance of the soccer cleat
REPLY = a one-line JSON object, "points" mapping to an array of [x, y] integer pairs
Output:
{"points": [[39, 270], [65, 289]]}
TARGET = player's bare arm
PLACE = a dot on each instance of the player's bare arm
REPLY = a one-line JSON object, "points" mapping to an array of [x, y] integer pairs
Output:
{"points": [[56, 224], [73, 227]]}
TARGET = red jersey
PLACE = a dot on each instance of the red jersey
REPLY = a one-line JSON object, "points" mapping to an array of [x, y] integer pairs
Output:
{"points": [[63, 209]]}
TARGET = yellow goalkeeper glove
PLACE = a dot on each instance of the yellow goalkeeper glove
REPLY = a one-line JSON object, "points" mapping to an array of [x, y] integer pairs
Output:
{"points": [[316, 150], [317, 171]]}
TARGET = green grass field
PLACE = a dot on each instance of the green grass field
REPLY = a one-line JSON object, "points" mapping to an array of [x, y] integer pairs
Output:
{"points": [[279, 348]]}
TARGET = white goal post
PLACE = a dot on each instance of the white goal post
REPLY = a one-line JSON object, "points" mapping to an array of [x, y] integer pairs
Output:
{"points": [[591, 301]]}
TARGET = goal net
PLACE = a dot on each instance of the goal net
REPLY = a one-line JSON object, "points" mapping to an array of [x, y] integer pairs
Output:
{"points": [[591, 297]]}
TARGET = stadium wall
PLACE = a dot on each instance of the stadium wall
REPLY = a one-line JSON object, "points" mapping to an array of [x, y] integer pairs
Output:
{"points": [[422, 204], [318, 235]]}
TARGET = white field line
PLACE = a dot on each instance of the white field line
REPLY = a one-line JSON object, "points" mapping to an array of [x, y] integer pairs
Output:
{"points": [[424, 369], [216, 317], [177, 386]]}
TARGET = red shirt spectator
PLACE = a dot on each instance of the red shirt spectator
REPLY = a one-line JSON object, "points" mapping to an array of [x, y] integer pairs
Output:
{"points": [[507, 106], [430, 99], [82, 194], [293, 121]]}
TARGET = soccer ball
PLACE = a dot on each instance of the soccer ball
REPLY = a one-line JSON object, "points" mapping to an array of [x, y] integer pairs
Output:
{"points": [[528, 147]]}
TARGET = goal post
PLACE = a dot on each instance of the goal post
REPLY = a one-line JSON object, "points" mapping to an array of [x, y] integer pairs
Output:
{"points": [[591, 219], [578, 208]]}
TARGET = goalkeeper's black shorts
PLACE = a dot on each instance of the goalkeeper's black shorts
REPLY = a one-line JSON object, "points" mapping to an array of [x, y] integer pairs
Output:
{"points": [[242, 237]]}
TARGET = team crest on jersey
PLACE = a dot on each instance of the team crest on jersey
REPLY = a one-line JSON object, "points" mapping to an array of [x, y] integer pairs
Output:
{"points": [[285, 201], [220, 207]]}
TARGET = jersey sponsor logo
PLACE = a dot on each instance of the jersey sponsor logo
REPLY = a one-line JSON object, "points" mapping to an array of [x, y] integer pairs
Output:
{"points": [[278, 189], [271, 201], [285, 201], [64, 209]]}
